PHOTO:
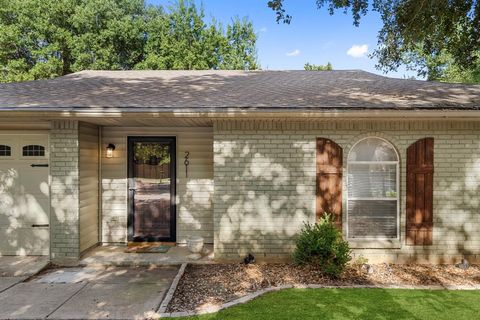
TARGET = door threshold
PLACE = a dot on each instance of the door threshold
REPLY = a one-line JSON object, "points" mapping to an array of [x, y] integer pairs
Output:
{"points": [[150, 244]]}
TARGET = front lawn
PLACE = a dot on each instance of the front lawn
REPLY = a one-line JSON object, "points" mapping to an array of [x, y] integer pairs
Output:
{"points": [[356, 304]]}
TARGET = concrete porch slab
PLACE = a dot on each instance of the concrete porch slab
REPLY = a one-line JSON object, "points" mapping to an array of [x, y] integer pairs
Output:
{"points": [[162, 275], [35, 300], [21, 266], [116, 256]]}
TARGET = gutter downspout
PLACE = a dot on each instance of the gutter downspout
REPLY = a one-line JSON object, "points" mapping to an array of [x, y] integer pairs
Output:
{"points": [[100, 193]]}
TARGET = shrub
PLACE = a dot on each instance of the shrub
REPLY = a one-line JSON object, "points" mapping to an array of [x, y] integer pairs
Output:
{"points": [[322, 245], [360, 261]]}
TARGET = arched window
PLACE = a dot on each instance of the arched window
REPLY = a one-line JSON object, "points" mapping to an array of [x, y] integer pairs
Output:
{"points": [[373, 190], [5, 151], [33, 150]]}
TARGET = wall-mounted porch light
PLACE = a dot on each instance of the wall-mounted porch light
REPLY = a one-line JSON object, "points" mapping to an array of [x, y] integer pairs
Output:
{"points": [[110, 149]]}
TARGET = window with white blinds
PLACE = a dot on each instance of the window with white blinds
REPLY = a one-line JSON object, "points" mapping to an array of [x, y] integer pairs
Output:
{"points": [[372, 195]]}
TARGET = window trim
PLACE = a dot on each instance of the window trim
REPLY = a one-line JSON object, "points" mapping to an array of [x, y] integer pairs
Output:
{"points": [[22, 150], [397, 198]]}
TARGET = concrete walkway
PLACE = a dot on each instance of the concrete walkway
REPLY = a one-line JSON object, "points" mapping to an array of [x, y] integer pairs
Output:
{"points": [[88, 293], [15, 269], [18, 266]]}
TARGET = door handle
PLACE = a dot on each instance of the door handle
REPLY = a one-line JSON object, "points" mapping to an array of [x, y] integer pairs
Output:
{"points": [[40, 225], [33, 165]]}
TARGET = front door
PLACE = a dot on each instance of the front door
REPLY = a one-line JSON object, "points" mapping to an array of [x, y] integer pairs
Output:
{"points": [[151, 189]]}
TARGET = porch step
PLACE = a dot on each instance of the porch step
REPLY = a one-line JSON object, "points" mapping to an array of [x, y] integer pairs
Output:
{"points": [[116, 256]]}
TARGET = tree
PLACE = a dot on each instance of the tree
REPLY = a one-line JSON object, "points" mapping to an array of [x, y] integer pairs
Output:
{"points": [[106, 34], [318, 67], [181, 39], [415, 32], [48, 38], [453, 73], [448, 71], [240, 49]]}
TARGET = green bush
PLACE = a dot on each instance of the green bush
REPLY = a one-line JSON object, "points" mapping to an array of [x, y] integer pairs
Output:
{"points": [[322, 245]]}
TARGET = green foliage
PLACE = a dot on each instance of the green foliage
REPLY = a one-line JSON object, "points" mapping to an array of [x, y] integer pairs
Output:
{"points": [[442, 67], [447, 71], [144, 152], [322, 245], [360, 261], [417, 34], [277, 6], [240, 50], [318, 67], [48, 38], [453, 73]]}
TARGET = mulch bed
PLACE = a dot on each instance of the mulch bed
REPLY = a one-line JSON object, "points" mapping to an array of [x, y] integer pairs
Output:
{"points": [[212, 285]]}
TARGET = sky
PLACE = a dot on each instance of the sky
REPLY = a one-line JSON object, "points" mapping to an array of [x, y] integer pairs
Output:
{"points": [[313, 36]]}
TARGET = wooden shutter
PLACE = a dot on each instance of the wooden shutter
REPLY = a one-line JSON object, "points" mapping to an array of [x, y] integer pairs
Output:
{"points": [[329, 179], [420, 193]]}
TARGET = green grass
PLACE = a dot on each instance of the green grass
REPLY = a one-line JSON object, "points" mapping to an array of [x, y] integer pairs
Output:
{"points": [[356, 304]]}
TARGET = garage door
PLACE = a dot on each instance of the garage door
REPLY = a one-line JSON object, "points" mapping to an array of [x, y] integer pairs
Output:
{"points": [[24, 194]]}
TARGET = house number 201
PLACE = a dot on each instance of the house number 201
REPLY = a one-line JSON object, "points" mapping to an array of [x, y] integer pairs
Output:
{"points": [[186, 163]]}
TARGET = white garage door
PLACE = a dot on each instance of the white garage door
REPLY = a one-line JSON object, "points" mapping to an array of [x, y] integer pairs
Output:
{"points": [[24, 194]]}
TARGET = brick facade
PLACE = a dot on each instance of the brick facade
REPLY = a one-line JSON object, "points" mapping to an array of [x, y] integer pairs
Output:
{"points": [[64, 192], [265, 181]]}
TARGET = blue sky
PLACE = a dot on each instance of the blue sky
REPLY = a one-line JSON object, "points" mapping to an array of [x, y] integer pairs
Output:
{"points": [[313, 35]]}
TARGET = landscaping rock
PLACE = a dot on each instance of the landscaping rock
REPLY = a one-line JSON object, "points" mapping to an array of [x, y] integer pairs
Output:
{"points": [[368, 268], [464, 265], [249, 259], [387, 268]]}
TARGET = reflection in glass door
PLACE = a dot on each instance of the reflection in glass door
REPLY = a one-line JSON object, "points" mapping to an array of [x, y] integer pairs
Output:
{"points": [[151, 189]]}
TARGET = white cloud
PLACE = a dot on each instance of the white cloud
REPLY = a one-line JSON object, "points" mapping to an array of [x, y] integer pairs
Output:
{"points": [[294, 53], [358, 51], [264, 29]]}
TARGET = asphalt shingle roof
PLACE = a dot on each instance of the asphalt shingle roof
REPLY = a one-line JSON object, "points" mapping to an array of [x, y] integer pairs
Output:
{"points": [[229, 90]]}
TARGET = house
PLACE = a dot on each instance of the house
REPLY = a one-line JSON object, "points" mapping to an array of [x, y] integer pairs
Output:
{"points": [[242, 159]]}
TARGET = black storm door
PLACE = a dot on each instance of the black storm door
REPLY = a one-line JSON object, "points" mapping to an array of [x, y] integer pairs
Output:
{"points": [[151, 189]]}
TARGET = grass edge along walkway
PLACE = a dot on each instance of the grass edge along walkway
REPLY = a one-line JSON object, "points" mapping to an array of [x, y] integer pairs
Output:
{"points": [[356, 304]]}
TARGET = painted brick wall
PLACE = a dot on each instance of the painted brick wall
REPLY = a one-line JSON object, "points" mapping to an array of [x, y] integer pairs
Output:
{"points": [[264, 173], [64, 217]]}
